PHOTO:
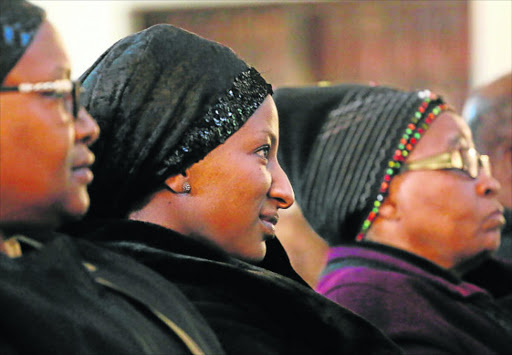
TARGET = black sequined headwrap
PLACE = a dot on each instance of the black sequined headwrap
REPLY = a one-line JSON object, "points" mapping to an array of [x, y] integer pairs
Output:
{"points": [[341, 146], [19, 21], [163, 98]]}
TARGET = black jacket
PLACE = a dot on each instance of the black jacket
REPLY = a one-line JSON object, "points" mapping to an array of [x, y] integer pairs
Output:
{"points": [[253, 310], [72, 297]]}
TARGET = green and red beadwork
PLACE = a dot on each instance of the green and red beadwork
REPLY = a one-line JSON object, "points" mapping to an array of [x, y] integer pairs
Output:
{"points": [[418, 125]]}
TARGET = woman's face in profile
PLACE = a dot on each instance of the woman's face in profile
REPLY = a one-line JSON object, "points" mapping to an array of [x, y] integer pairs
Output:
{"points": [[447, 209], [40, 147], [239, 187]]}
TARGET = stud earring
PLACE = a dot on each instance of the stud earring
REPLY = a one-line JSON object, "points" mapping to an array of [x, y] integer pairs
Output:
{"points": [[186, 187]]}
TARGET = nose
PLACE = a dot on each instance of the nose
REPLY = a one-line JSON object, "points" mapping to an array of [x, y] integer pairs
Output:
{"points": [[487, 185], [281, 190], [87, 130]]}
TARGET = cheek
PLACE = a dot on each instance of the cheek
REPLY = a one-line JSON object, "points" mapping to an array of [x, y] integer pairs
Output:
{"points": [[441, 200]]}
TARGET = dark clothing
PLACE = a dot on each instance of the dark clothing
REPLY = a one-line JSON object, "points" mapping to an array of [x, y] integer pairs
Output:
{"points": [[505, 250], [425, 309], [163, 99], [19, 23], [52, 304], [495, 276], [339, 146], [253, 310]]}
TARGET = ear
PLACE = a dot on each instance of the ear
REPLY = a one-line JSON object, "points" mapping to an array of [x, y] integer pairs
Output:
{"points": [[175, 182], [388, 210]]}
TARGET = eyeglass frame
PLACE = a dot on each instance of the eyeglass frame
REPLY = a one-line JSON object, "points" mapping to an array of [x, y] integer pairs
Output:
{"points": [[451, 160], [63, 86]]}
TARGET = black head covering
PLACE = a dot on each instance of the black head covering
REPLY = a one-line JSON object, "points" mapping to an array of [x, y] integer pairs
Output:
{"points": [[337, 143], [20, 21], [163, 98]]}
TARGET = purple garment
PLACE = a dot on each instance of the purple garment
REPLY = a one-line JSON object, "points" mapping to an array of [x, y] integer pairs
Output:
{"points": [[424, 308]]}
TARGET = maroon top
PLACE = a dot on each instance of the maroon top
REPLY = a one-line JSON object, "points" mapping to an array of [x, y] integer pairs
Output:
{"points": [[424, 308]]}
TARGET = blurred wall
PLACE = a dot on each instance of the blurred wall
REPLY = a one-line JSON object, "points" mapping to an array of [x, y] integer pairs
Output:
{"points": [[490, 40], [90, 27]]}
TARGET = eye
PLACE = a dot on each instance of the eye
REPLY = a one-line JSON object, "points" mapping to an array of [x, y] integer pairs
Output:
{"points": [[65, 98], [54, 94], [263, 151]]}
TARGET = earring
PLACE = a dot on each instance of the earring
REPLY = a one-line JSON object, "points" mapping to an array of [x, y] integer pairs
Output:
{"points": [[186, 187]]}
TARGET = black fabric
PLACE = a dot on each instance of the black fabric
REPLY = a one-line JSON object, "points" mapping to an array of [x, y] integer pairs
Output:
{"points": [[335, 145], [147, 92], [20, 21], [52, 305], [253, 310]]}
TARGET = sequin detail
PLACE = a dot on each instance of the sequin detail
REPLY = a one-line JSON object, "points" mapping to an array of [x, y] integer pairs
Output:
{"points": [[223, 119], [418, 125]]}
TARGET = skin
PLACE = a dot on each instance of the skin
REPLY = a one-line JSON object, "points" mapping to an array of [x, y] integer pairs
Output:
{"points": [[444, 216], [237, 190], [305, 248], [495, 136], [493, 129], [44, 155]]}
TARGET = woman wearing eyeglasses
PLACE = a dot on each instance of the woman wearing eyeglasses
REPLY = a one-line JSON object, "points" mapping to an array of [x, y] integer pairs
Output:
{"points": [[391, 180], [45, 160], [60, 295]]}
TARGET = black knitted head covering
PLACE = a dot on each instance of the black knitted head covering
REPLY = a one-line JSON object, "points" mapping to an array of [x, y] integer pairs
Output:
{"points": [[20, 21], [163, 98], [341, 146]]}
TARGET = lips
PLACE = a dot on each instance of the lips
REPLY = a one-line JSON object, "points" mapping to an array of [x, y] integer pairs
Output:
{"points": [[81, 166], [495, 220], [269, 222]]}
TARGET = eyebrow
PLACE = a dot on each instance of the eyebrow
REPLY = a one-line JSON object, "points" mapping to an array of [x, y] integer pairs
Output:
{"points": [[458, 141], [62, 72], [272, 135]]}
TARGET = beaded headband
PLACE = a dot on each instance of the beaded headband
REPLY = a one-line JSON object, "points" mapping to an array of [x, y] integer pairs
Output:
{"points": [[419, 124], [223, 119]]}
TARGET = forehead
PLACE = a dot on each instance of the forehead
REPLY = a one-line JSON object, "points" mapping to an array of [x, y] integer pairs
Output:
{"points": [[44, 60], [448, 131], [263, 121]]}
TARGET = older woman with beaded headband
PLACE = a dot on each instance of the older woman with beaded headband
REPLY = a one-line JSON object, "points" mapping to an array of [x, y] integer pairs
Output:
{"points": [[187, 181], [391, 180]]}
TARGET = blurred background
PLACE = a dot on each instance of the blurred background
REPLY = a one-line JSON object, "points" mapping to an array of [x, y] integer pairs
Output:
{"points": [[448, 46]]}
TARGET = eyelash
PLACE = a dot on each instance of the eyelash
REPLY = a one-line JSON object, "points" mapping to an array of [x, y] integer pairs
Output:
{"points": [[53, 95], [266, 151]]}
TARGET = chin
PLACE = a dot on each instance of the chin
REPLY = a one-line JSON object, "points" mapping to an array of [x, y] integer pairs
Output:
{"points": [[255, 256], [76, 206]]}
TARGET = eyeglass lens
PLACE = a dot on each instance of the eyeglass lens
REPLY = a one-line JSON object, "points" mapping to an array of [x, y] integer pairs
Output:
{"points": [[473, 162]]}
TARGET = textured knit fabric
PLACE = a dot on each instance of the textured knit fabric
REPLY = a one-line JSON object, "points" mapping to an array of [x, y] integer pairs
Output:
{"points": [[335, 145], [425, 309], [19, 22], [253, 309], [52, 304], [163, 98]]}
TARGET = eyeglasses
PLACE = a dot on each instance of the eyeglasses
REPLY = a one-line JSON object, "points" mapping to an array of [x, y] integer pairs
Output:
{"points": [[467, 160], [68, 90]]}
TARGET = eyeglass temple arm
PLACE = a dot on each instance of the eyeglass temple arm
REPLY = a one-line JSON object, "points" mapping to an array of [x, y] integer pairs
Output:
{"points": [[8, 88], [446, 160]]}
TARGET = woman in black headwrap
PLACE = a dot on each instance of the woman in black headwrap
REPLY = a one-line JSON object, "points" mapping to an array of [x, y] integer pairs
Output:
{"points": [[59, 295], [391, 180], [187, 181]]}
